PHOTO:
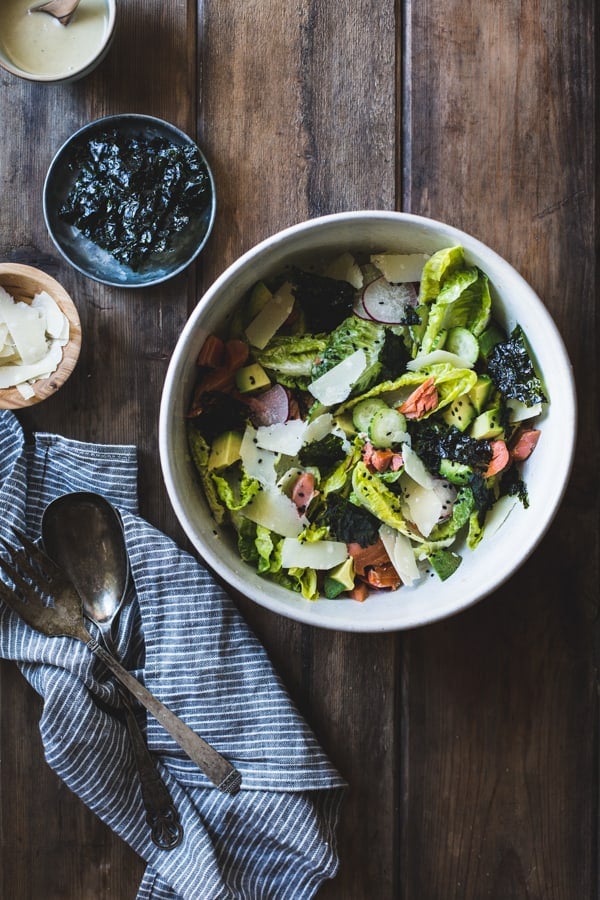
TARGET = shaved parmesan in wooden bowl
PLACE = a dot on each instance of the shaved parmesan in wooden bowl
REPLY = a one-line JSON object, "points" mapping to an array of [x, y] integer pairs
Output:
{"points": [[40, 335]]}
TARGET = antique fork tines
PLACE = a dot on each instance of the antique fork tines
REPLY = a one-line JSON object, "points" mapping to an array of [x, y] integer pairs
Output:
{"points": [[36, 579]]}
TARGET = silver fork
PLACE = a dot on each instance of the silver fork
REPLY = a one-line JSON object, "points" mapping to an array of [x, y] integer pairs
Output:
{"points": [[47, 601]]}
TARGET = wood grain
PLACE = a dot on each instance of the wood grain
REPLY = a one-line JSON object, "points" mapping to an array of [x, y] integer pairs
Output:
{"points": [[470, 746], [500, 760]]}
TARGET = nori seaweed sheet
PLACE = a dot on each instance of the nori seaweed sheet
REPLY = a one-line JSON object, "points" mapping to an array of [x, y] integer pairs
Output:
{"points": [[133, 195]]}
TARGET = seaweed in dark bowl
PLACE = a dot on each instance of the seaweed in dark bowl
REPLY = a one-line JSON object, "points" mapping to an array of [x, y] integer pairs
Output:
{"points": [[129, 200]]}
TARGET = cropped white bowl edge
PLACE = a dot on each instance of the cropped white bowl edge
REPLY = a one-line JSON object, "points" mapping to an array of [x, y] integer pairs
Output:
{"points": [[546, 473]]}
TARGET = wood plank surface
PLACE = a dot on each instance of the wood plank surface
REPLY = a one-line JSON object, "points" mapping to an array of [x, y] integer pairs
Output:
{"points": [[500, 756], [470, 746]]}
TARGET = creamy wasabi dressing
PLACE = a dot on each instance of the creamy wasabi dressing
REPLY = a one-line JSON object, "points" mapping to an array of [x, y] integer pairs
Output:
{"points": [[37, 43]]}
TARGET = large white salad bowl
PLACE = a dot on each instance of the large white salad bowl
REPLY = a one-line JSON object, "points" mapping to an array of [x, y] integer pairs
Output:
{"points": [[546, 473]]}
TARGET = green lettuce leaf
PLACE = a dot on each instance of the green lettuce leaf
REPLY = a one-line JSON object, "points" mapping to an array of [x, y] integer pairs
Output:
{"points": [[337, 479], [370, 492], [199, 452], [465, 301], [290, 360], [475, 532], [306, 580], [437, 269], [235, 493], [450, 382]]}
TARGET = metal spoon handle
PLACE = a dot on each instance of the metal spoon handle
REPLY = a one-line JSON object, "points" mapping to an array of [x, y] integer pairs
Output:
{"points": [[161, 814], [216, 767]]}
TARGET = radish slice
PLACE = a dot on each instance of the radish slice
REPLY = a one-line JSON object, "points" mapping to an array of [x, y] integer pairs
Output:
{"points": [[359, 308], [271, 407], [387, 303]]}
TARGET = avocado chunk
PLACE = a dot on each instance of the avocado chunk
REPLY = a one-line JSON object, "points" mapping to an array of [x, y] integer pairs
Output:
{"points": [[460, 413], [444, 563], [339, 579], [487, 425], [225, 450], [251, 378], [480, 393], [455, 472]]}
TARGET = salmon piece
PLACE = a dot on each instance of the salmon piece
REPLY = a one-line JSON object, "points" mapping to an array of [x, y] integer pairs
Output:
{"points": [[421, 401], [525, 444], [381, 460], [212, 354], [223, 377], [236, 354], [500, 458], [360, 592], [365, 557], [303, 491], [384, 576]]}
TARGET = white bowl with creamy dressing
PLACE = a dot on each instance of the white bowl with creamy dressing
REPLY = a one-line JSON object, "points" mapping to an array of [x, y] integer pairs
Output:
{"points": [[37, 47]]}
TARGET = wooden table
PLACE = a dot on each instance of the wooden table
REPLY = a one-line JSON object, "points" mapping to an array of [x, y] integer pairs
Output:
{"points": [[470, 746]]}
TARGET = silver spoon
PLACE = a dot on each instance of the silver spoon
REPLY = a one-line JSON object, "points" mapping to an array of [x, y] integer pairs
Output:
{"points": [[83, 533], [62, 10]]}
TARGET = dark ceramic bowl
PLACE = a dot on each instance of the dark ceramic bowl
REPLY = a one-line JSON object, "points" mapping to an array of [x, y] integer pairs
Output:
{"points": [[87, 256]]}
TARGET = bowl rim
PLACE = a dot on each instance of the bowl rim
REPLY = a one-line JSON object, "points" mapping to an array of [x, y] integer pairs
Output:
{"points": [[305, 612], [145, 120], [83, 69], [11, 398]]}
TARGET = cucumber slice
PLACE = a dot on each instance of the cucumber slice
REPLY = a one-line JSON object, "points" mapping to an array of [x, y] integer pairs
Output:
{"points": [[386, 428], [364, 411], [463, 343]]}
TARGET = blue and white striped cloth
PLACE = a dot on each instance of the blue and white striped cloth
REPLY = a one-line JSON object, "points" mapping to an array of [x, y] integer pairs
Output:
{"points": [[182, 636]]}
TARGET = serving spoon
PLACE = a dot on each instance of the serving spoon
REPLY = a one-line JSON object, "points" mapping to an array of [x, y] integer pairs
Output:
{"points": [[61, 9], [83, 533]]}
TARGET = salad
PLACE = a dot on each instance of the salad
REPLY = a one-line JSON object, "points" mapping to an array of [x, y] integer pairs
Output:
{"points": [[363, 425]]}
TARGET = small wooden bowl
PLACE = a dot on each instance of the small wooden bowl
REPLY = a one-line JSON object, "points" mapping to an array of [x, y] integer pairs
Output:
{"points": [[23, 283]]}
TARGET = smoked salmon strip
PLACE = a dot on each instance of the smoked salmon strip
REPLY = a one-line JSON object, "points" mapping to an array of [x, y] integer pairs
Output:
{"points": [[421, 401]]}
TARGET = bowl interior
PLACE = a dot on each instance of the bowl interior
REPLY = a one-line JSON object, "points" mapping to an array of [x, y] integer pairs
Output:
{"points": [[90, 259], [546, 473], [23, 283]]}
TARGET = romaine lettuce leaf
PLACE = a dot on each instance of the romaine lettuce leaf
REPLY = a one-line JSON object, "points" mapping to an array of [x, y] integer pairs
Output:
{"points": [[306, 580], [200, 451], [235, 494], [370, 492], [437, 269], [464, 300], [337, 478], [450, 382], [290, 360]]}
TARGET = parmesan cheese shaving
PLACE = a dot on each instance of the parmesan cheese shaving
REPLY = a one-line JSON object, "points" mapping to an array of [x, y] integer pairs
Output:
{"points": [[31, 340]]}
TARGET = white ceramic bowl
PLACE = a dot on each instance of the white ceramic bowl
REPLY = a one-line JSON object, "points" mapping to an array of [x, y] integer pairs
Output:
{"points": [[546, 473]]}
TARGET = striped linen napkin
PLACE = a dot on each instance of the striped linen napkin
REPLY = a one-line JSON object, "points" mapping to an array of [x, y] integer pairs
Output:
{"points": [[182, 636]]}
